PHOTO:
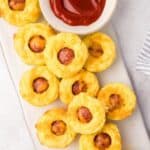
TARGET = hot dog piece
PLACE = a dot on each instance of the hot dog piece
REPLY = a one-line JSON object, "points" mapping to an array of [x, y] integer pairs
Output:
{"points": [[84, 114], [17, 4], [58, 127], [40, 85], [65, 56], [37, 43], [115, 101], [79, 86], [95, 50], [102, 141]]}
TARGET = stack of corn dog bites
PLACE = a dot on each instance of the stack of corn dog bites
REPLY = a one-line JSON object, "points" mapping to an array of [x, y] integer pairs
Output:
{"points": [[64, 67]]}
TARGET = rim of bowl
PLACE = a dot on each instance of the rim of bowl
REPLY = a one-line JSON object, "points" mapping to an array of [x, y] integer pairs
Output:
{"points": [[59, 25]]}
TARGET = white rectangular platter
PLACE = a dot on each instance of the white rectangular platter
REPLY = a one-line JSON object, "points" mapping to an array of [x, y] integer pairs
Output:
{"points": [[133, 132]]}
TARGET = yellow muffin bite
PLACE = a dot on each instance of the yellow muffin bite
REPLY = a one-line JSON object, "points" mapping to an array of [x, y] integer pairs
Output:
{"points": [[106, 139], [102, 52], [119, 99], [20, 12], [86, 114], [30, 42], [65, 54], [53, 129], [84, 81], [39, 86]]}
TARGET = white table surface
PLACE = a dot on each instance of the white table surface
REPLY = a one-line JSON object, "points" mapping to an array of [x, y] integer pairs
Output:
{"points": [[131, 23]]}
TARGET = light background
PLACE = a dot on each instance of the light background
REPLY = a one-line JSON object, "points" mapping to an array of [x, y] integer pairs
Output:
{"points": [[131, 22]]}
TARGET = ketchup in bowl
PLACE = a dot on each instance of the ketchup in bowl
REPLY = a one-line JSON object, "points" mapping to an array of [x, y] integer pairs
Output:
{"points": [[78, 12]]}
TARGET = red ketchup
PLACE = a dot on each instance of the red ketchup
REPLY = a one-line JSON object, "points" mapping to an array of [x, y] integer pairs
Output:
{"points": [[78, 12]]}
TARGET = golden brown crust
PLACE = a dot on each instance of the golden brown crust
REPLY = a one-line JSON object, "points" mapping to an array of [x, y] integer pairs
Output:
{"points": [[87, 141], [65, 40], [104, 52], [96, 109], [47, 137], [30, 14], [127, 100], [23, 37], [39, 99]]}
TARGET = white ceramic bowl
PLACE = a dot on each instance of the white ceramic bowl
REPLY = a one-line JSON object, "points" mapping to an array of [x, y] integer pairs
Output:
{"points": [[59, 25]]}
